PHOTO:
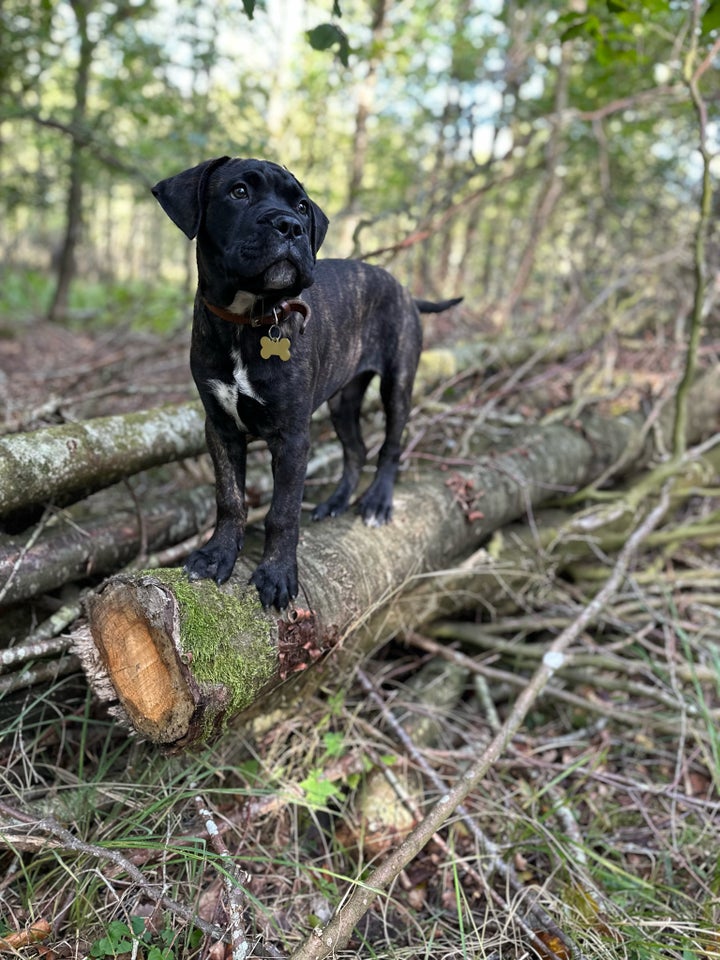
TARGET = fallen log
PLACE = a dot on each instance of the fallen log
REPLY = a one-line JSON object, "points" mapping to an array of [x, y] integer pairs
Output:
{"points": [[182, 658], [62, 464], [71, 550]]}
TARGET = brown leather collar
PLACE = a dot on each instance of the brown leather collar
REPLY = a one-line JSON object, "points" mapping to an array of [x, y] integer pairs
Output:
{"points": [[281, 311]]}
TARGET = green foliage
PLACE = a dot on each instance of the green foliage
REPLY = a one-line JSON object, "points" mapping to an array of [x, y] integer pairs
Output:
{"points": [[711, 18], [463, 116], [328, 35], [119, 939], [318, 790], [161, 307]]}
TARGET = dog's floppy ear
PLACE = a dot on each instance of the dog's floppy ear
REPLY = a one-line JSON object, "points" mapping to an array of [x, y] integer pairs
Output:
{"points": [[182, 197], [320, 225]]}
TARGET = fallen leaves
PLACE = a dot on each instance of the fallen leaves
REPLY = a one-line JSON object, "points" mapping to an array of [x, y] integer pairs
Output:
{"points": [[35, 933]]}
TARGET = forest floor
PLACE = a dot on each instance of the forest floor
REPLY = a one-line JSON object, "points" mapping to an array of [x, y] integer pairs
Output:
{"points": [[597, 832]]}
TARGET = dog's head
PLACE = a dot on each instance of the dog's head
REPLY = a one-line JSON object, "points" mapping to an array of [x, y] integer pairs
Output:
{"points": [[257, 230]]}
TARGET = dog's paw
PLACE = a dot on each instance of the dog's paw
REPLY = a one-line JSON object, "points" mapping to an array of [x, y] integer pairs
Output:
{"points": [[336, 503], [375, 508], [330, 508], [211, 563], [277, 584]]}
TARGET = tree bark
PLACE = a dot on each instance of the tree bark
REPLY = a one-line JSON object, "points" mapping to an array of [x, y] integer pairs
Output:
{"points": [[182, 658], [72, 550], [62, 464], [73, 205]]}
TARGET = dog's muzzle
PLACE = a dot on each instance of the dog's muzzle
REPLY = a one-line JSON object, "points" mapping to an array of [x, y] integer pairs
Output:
{"points": [[280, 275]]}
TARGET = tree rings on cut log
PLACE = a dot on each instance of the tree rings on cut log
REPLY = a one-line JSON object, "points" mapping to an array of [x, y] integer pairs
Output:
{"points": [[136, 628]]}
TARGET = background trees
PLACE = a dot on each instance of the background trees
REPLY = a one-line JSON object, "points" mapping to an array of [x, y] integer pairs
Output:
{"points": [[536, 150]]}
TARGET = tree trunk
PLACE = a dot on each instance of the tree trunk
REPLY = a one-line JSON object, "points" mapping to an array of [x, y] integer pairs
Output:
{"points": [[62, 464], [348, 216], [73, 206], [183, 658], [549, 193]]}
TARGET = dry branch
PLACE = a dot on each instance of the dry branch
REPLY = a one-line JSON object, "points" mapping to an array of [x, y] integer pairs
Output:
{"points": [[324, 942], [183, 658]]}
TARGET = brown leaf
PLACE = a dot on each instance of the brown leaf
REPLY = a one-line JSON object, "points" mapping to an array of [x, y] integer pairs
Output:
{"points": [[34, 934], [555, 948]]}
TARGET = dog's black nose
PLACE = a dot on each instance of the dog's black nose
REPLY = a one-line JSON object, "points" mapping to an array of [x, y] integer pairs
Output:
{"points": [[288, 226]]}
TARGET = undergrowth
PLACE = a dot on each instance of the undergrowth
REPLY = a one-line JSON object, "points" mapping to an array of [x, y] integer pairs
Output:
{"points": [[605, 808]]}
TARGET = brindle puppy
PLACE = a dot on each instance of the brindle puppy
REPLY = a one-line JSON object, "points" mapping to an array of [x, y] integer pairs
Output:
{"points": [[263, 359]]}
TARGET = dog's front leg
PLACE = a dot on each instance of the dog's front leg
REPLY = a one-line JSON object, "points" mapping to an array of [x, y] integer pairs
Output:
{"points": [[215, 561], [276, 577]]}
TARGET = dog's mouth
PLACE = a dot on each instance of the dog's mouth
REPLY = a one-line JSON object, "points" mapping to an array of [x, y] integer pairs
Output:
{"points": [[280, 275]]}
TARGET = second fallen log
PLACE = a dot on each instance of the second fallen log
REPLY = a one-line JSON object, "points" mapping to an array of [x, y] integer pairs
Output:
{"points": [[62, 464]]}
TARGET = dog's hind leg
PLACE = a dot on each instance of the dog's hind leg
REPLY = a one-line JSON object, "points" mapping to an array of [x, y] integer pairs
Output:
{"points": [[375, 505], [345, 416]]}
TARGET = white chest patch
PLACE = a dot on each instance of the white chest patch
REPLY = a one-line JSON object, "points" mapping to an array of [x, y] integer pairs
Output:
{"points": [[242, 381], [227, 394]]}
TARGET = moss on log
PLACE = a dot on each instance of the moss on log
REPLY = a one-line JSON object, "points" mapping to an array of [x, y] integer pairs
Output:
{"points": [[182, 656]]}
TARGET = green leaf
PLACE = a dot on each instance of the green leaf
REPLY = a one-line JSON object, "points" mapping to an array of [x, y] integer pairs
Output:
{"points": [[138, 928], [336, 11], [588, 27], [160, 953], [711, 18], [249, 8], [334, 744], [318, 790], [117, 930], [115, 942], [327, 35]]}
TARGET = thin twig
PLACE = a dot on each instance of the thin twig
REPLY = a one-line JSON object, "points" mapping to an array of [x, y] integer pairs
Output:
{"points": [[489, 848], [23, 553], [17, 824], [234, 885]]}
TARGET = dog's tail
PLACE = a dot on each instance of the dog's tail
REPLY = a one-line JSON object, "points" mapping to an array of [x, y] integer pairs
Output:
{"points": [[431, 306]]}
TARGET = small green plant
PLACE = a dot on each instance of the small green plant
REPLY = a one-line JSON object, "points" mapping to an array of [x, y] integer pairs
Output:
{"points": [[119, 938]]}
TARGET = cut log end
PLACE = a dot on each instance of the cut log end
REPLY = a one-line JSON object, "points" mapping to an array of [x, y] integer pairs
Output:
{"points": [[136, 631], [180, 658]]}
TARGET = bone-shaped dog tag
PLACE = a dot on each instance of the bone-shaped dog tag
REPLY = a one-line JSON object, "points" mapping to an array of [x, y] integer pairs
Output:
{"points": [[274, 346]]}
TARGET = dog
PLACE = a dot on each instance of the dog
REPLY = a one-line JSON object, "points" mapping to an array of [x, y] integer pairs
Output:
{"points": [[264, 358]]}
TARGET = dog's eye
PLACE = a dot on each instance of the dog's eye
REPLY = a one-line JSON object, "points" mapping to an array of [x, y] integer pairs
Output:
{"points": [[303, 206], [239, 192]]}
